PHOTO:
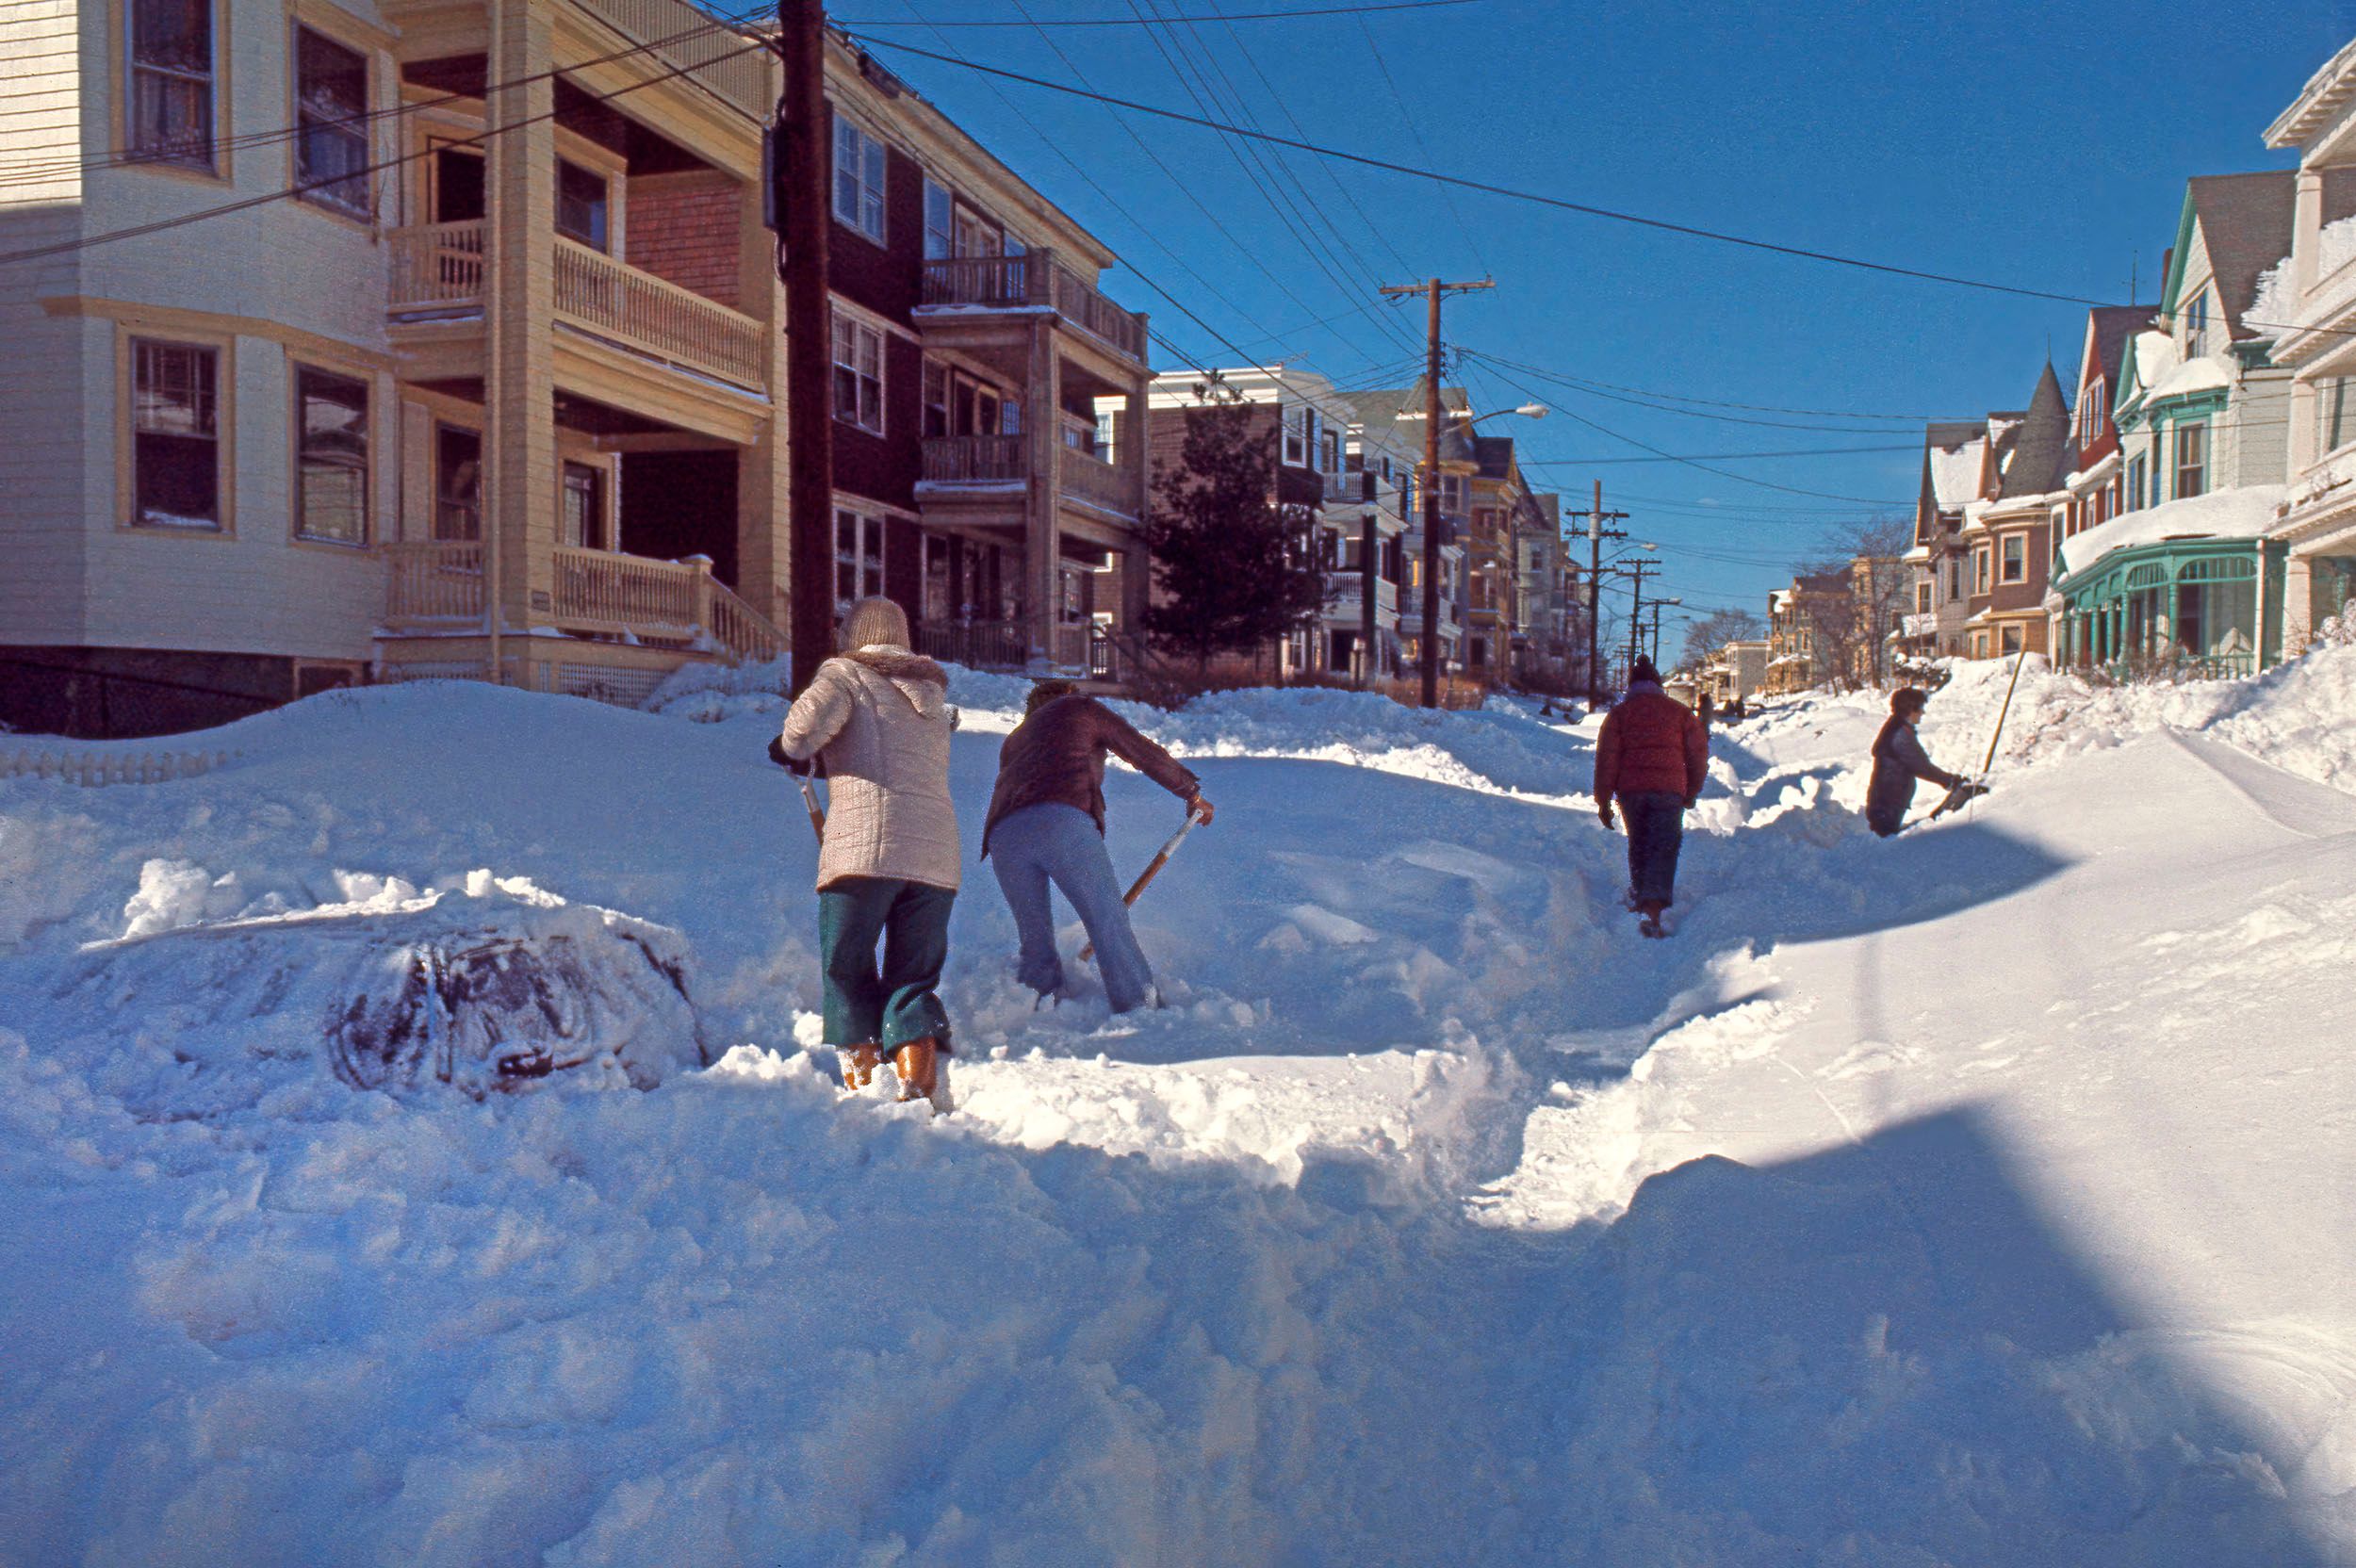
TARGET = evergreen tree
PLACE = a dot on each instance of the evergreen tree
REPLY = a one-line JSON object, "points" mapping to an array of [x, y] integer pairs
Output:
{"points": [[1235, 569]]}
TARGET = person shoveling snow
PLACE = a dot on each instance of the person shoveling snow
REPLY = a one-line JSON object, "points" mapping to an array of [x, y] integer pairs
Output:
{"points": [[1899, 760], [878, 717], [1654, 757], [1047, 825]]}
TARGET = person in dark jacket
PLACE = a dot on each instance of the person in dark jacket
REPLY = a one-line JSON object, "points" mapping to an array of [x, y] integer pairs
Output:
{"points": [[1899, 760], [1046, 824], [1653, 758]]}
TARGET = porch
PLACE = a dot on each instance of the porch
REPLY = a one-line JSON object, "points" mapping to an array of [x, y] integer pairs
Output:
{"points": [[2178, 610]]}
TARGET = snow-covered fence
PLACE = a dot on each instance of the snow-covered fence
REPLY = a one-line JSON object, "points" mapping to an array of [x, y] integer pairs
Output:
{"points": [[94, 768]]}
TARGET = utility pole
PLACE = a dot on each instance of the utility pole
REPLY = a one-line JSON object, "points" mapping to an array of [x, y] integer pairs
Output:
{"points": [[1431, 290], [802, 217], [1636, 569], [1369, 543], [1597, 534]]}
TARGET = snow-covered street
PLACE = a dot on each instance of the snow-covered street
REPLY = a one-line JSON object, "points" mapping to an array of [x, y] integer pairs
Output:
{"points": [[1983, 1196]]}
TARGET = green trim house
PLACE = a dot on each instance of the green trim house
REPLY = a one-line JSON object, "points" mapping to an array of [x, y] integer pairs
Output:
{"points": [[2184, 577]]}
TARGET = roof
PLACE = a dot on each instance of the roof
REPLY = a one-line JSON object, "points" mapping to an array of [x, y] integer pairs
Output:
{"points": [[2246, 513], [2325, 92], [1951, 449], [2113, 326], [2245, 221], [1495, 454], [2040, 448]]}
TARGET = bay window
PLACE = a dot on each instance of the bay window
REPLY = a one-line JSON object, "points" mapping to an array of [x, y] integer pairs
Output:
{"points": [[2192, 460], [331, 457], [171, 81], [175, 439], [331, 135]]}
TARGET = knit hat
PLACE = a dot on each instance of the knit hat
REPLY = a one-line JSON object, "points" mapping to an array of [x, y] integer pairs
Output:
{"points": [[874, 621], [1908, 699], [1642, 670]]}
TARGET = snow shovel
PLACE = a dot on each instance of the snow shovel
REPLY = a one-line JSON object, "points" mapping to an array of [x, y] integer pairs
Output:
{"points": [[1979, 785], [817, 812], [1153, 870]]}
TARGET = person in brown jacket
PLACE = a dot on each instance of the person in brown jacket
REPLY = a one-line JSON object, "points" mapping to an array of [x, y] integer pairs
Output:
{"points": [[1652, 757], [1046, 824]]}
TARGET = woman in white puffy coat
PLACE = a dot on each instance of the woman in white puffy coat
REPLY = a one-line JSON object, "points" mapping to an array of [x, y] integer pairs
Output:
{"points": [[877, 717]]}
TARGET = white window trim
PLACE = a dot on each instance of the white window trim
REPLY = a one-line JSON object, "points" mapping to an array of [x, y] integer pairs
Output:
{"points": [[869, 528], [866, 139], [842, 321]]}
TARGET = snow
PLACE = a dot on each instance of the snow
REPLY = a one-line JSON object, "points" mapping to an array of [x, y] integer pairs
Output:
{"points": [[1956, 474], [2245, 513], [1977, 1197], [2203, 373]]}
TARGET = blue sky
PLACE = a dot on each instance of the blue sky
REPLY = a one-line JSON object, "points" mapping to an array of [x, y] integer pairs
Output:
{"points": [[2026, 144]]}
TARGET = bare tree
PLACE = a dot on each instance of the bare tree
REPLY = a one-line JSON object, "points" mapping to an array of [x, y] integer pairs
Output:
{"points": [[1852, 598], [1716, 629]]}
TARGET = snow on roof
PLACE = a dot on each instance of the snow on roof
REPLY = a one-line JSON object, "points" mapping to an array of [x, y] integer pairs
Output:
{"points": [[2203, 374], [1779, 599], [2247, 512], [1956, 473], [2154, 357], [1920, 552], [2275, 307]]}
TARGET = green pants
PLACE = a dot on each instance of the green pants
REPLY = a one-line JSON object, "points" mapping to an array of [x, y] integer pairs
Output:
{"points": [[896, 1005]]}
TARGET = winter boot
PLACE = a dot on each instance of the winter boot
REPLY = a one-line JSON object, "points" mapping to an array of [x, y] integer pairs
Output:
{"points": [[860, 1063], [1650, 923], [918, 1065]]}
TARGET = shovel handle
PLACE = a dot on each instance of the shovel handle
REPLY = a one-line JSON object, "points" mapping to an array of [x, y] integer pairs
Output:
{"points": [[817, 813], [1153, 869]]}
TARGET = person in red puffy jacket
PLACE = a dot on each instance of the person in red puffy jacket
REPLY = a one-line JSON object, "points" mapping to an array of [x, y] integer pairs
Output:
{"points": [[1651, 758]]}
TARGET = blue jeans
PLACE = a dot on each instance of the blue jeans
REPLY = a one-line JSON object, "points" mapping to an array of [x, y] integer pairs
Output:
{"points": [[1040, 844], [1656, 830]]}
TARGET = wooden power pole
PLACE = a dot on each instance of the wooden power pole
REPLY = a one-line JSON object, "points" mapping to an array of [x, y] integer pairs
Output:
{"points": [[1636, 569], [1431, 290], [802, 217], [1599, 529]]}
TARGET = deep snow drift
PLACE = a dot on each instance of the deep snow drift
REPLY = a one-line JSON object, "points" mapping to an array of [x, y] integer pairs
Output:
{"points": [[1978, 1197]]}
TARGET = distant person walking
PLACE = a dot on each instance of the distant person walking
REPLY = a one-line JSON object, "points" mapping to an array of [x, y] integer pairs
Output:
{"points": [[1653, 758], [1046, 825], [1899, 760], [877, 718]]}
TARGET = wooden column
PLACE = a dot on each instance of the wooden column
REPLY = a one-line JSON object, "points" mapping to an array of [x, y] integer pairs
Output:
{"points": [[520, 506], [1041, 549], [761, 468]]}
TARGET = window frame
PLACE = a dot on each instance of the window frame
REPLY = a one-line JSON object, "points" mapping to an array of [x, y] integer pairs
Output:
{"points": [[872, 157], [129, 513], [601, 243], [317, 194], [2194, 434], [2335, 417], [844, 322], [437, 475], [215, 163], [1296, 422], [1983, 570], [867, 526], [2012, 558], [597, 531], [298, 521], [2138, 469]]}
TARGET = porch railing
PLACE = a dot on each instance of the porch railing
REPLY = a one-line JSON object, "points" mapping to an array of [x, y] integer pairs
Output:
{"points": [[712, 55], [974, 459], [1092, 479], [1343, 595], [437, 265], [434, 581], [658, 317], [743, 630], [1038, 278], [976, 645]]}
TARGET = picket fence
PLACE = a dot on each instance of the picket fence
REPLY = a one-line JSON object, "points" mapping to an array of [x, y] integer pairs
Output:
{"points": [[93, 768]]}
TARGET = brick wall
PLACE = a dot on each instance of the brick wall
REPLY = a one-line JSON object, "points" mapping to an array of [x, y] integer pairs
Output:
{"points": [[683, 228]]}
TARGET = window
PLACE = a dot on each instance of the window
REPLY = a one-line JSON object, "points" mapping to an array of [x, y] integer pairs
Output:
{"points": [[2334, 428], [859, 371], [935, 398], [858, 179], [2192, 454], [2016, 560], [581, 205], [175, 454], [2135, 483], [331, 457], [2197, 326], [1980, 563], [1922, 598], [1954, 577], [1297, 436], [331, 108], [171, 81], [582, 526], [939, 230], [1333, 451], [2091, 405], [1979, 644], [457, 483], [859, 558]]}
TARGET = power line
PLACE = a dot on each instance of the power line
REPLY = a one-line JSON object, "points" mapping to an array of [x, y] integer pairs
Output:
{"points": [[1236, 16], [161, 225], [1713, 457], [1538, 198], [1407, 115]]}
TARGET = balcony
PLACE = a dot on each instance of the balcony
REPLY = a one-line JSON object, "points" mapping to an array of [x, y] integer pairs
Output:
{"points": [[1080, 648], [976, 462], [444, 269], [598, 592], [688, 40], [1036, 281], [1117, 489], [1344, 604]]}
